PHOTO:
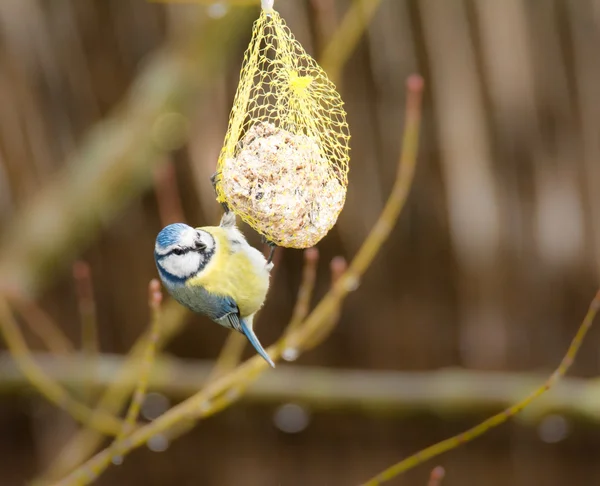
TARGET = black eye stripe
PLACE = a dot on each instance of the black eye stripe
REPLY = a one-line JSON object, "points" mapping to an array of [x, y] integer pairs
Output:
{"points": [[198, 246]]}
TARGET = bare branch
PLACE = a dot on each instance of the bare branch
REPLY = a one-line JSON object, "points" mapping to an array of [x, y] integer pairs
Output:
{"points": [[87, 314], [226, 389], [305, 292], [42, 325], [467, 436], [51, 390], [455, 391]]}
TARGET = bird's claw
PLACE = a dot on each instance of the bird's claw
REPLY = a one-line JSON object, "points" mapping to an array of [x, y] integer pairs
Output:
{"points": [[213, 181], [272, 247]]}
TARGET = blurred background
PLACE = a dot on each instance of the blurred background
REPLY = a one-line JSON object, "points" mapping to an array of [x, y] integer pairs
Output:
{"points": [[112, 115]]}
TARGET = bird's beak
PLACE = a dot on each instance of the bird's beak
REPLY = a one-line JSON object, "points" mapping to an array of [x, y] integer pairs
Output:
{"points": [[249, 333]]}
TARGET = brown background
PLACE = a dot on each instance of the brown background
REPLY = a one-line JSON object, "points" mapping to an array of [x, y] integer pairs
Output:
{"points": [[490, 267]]}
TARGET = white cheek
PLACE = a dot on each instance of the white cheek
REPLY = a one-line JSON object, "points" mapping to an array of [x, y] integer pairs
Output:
{"points": [[181, 266]]}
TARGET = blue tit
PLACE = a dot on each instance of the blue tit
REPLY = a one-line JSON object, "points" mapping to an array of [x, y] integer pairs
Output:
{"points": [[214, 271]]}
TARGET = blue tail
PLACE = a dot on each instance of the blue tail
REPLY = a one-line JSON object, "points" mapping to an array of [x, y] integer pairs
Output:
{"points": [[249, 333]]}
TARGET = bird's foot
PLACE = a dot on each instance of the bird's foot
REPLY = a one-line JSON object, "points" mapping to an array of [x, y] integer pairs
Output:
{"points": [[213, 181], [272, 247], [228, 220]]}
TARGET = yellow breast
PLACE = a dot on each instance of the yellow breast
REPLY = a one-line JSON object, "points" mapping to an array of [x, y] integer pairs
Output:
{"points": [[234, 274]]}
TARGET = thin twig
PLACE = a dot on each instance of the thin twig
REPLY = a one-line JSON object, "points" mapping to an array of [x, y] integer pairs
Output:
{"points": [[199, 405], [87, 308], [51, 390], [115, 153], [305, 291], [86, 441], [437, 476], [87, 315], [337, 267], [42, 326], [230, 355], [467, 436], [83, 443], [154, 302], [350, 280]]}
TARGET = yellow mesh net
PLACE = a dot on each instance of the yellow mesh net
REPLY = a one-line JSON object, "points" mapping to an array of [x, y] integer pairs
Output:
{"points": [[283, 167]]}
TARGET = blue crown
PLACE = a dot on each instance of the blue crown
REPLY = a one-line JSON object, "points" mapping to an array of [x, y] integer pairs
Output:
{"points": [[169, 235]]}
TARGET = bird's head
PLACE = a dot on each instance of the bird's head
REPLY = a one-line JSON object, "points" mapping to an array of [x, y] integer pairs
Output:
{"points": [[182, 252]]}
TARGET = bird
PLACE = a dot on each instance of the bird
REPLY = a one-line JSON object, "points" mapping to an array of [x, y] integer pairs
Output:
{"points": [[214, 271]]}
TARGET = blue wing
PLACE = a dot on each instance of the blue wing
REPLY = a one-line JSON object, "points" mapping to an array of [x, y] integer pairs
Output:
{"points": [[226, 312], [229, 316]]}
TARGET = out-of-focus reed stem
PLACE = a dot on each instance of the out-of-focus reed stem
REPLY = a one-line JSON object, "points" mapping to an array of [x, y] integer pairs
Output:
{"points": [[394, 393], [480, 429], [175, 75], [230, 385], [114, 161], [51, 390], [87, 315], [305, 291], [230, 355], [437, 476], [85, 441], [350, 280], [42, 326], [139, 394], [344, 40], [87, 308], [167, 194], [337, 267], [154, 302]]}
